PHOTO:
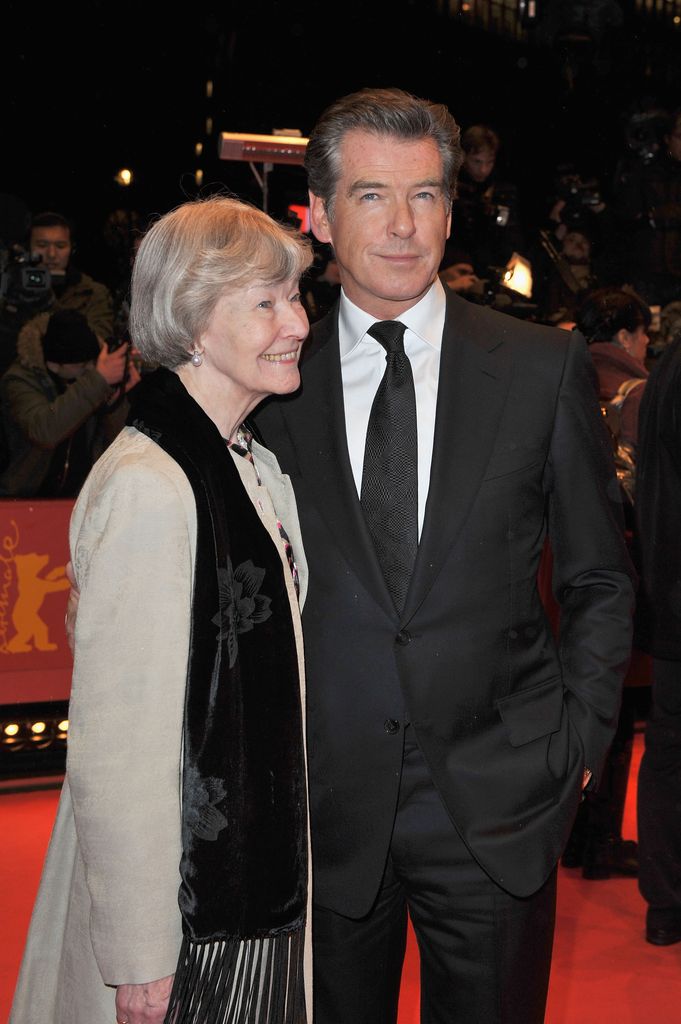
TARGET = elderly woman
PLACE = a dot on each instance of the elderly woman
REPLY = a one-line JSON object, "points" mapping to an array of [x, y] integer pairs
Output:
{"points": [[176, 883]]}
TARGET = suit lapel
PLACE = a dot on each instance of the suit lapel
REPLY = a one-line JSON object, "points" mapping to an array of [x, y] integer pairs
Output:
{"points": [[473, 384]]}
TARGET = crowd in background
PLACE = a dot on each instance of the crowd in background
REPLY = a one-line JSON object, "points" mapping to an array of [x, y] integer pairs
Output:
{"points": [[623, 235]]}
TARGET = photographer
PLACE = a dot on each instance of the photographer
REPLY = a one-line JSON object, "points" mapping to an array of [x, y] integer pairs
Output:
{"points": [[572, 254], [24, 287], [51, 244], [62, 402], [485, 224], [563, 274]]}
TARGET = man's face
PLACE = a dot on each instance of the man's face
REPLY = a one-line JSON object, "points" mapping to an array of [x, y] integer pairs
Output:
{"points": [[576, 247], [391, 219], [52, 245], [480, 164], [69, 371]]}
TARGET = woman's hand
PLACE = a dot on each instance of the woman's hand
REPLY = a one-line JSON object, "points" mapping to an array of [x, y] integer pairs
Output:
{"points": [[143, 1004]]}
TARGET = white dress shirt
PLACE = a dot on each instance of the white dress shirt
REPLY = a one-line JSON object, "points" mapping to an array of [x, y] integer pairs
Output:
{"points": [[363, 366]]}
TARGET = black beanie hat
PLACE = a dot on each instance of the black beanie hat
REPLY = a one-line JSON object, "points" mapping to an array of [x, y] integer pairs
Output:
{"points": [[69, 338]]}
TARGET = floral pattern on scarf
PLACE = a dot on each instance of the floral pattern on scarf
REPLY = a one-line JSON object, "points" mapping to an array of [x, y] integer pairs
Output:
{"points": [[242, 606]]}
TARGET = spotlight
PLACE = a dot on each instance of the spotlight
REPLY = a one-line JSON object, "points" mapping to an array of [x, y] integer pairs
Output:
{"points": [[518, 276], [124, 177]]}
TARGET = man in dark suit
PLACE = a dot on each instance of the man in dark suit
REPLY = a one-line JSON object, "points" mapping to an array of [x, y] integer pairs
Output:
{"points": [[658, 509], [449, 735]]}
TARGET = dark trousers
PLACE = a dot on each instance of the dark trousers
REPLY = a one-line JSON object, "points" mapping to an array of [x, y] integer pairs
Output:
{"points": [[659, 799], [485, 955]]}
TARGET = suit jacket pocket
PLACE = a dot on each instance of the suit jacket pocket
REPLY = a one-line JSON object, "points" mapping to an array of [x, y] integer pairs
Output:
{"points": [[529, 714], [505, 463]]}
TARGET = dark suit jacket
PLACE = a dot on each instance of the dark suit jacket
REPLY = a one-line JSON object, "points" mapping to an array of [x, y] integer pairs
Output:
{"points": [[658, 507], [505, 720]]}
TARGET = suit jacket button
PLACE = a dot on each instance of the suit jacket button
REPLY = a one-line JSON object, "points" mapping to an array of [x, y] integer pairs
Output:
{"points": [[391, 726], [403, 637]]}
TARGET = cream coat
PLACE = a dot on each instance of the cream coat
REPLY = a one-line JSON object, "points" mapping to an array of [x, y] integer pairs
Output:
{"points": [[107, 911]]}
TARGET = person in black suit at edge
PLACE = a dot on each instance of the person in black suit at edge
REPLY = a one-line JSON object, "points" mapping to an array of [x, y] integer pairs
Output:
{"points": [[450, 735], [658, 631]]}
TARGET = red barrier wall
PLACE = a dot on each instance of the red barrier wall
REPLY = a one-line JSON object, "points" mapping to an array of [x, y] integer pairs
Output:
{"points": [[35, 661]]}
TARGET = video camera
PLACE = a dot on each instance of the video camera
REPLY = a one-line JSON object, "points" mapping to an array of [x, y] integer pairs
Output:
{"points": [[579, 195], [643, 130], [500, 206], [25, 286]]}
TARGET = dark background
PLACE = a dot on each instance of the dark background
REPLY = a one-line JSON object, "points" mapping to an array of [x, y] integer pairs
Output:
{"points": [[87, 91]]}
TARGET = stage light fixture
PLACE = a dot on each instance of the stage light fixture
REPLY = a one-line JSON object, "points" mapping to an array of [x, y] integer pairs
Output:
{"points": [[270, 149], [33, 738], [281, 147]]}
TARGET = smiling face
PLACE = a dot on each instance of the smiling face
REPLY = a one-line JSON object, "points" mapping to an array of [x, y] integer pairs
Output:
{"points": [[252, 344], [391, 219]]}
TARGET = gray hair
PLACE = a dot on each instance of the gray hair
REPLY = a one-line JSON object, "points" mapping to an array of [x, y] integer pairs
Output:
{"points": [[191, 257], [390, 112]]}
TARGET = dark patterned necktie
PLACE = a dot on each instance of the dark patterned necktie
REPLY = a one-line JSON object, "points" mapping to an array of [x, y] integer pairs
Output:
{"points": [[389, 495]]}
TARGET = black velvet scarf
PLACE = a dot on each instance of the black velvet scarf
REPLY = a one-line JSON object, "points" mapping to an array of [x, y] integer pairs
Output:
{"points": [[244, 842]]}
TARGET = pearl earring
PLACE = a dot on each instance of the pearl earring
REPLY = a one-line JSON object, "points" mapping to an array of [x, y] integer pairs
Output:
{"points": [[197, 357]]}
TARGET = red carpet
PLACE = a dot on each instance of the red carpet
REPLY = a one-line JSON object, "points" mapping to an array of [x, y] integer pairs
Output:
{"points": [[603, 970]]}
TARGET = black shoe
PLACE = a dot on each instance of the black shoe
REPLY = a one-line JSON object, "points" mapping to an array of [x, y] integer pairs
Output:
{"points": [[572, 858], [663, 936], [610, 855], [573, 855]]}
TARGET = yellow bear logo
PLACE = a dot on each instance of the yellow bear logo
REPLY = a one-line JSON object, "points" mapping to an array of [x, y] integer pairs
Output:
{"points": [[32, 590]]}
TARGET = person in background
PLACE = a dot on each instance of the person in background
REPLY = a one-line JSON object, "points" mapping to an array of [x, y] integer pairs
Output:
{"points": [[321, 286], [61, 403], [434, 440], [51, 242], [658, 631], [615, 324], [485, 215], [177, 877], [461, 278], [563, 274], [648, 205]]}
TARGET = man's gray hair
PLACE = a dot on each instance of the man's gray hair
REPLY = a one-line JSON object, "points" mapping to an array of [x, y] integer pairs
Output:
{"points": [[191, 257], [382, 112]]}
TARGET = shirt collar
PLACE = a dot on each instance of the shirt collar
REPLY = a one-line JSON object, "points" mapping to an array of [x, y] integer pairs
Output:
{"points": [[425, 319]]}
